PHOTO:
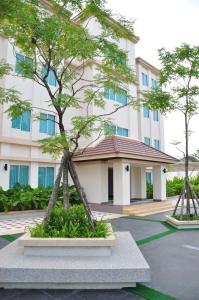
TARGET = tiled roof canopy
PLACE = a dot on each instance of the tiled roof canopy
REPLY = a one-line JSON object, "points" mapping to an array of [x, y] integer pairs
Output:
{"points": [[120, 147]]}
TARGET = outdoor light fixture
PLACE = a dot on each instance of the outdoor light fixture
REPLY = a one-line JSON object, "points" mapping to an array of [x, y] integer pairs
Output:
{"points": [[127, 168], [164, 170], [6, 167]]}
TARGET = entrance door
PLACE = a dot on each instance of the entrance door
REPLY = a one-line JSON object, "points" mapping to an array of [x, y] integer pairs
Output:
{"points": [[110, 184]]}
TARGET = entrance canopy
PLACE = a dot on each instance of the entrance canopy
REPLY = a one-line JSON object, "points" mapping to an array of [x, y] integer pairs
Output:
{"points": [[120, 147]]}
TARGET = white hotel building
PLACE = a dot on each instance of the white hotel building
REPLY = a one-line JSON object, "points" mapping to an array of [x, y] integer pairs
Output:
{"points": [[115, 168]]}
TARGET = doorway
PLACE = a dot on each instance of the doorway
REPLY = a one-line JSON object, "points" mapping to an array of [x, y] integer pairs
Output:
{"points": [[110, 184]]}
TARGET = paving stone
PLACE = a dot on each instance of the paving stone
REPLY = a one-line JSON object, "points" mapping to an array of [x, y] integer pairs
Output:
{"points": [[101, 295], [8, 294], [60, 294], [3, 242], [32, 295], [174, 268], [138, 228]]}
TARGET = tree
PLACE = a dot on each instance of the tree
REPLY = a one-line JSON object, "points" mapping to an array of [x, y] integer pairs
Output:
{"points": [[177, 91], [60, 45]]}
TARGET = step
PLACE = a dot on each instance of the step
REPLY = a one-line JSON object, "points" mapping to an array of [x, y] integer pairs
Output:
{"points": [[142, 214], [148, 209]]}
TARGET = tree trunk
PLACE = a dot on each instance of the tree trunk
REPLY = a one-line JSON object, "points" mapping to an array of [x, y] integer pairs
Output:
{"points": [[65, 181], [187, 191], [55, 191], [81, 192]]}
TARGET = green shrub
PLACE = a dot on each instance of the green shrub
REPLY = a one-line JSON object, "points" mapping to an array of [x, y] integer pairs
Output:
{"points": [[186, 218], [25, 198], [149, 191], [70, 223]]}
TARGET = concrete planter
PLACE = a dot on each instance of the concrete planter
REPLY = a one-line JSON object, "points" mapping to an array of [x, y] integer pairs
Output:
{"points": [[182, 224], [67, 246]]}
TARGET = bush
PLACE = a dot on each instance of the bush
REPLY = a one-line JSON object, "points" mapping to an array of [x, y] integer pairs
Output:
{"points": [[70, 223], [25, 198], [149, 191]]}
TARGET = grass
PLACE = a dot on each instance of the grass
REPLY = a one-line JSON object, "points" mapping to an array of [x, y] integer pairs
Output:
{"points": [[149, 293]]}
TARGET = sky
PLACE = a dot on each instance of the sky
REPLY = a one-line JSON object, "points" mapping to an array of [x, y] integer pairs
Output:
{"points": [[164, 23]]}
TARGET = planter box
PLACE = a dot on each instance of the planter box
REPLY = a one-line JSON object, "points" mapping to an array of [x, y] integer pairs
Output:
{"points": [[182, 224], [67, 246], [123, 268]]}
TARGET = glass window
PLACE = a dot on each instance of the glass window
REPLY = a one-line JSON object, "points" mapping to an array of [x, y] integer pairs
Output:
{"points": [[157, 144], [122, 131], [155, 116], [51, 79], [19, 174], [144, 79], [110, 130], [120, 97], [149, 177], [153, 83], [47, 124], [147, 141], [22, 122], [46, 176], [21, 58], [146, 112]]}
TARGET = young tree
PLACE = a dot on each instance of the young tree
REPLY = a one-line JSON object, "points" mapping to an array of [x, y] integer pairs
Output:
{"points": [[56, 43], [177, 91]]}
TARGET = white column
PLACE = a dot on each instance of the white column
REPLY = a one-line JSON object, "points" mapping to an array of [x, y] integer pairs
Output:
{"points": [[33, 174], [121, 183], [138, 182], [4, 174], [159, 183]]}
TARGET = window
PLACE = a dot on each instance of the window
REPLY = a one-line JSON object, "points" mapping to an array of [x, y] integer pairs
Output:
{"points": [[47, 124], [144, 79], [19, 174], [146, 112], [115, 130], [149, 177], [122, 131], [147, 141], [22, 58], [46, 176], [22, 122], [153, 83], [157, 144], [120, 97], [51, 79], [155, 116]]}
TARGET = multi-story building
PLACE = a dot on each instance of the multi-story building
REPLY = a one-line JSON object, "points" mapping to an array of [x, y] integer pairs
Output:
{"points": [[115, 167]]}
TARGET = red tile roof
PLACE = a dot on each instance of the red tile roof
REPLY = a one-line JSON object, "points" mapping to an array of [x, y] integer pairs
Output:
{"points": [[115, 146]]}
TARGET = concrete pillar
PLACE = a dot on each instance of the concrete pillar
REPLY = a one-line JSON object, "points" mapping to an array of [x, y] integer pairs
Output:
{"points": [[159, 183], [121, 183], [138, 182], [33, 174], [4, 174]]}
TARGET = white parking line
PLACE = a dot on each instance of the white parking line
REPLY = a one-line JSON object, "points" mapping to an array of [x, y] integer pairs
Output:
{"points": [[191, 247]]}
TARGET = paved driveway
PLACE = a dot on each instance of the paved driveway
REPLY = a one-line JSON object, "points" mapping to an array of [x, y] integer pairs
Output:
{"points": [[172, 255]]}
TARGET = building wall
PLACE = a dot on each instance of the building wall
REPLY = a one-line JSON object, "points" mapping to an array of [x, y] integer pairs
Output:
{"points": [[16, 152], [147, 126]]}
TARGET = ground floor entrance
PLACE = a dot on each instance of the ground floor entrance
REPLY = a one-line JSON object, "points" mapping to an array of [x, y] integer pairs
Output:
{"points": [[120, 181]]}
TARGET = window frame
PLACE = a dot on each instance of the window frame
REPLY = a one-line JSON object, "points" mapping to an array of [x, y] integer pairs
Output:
{"points": [[19, 174], [46, 179], [121, 98], [147, 141], [21, 122], [46, 121]]}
